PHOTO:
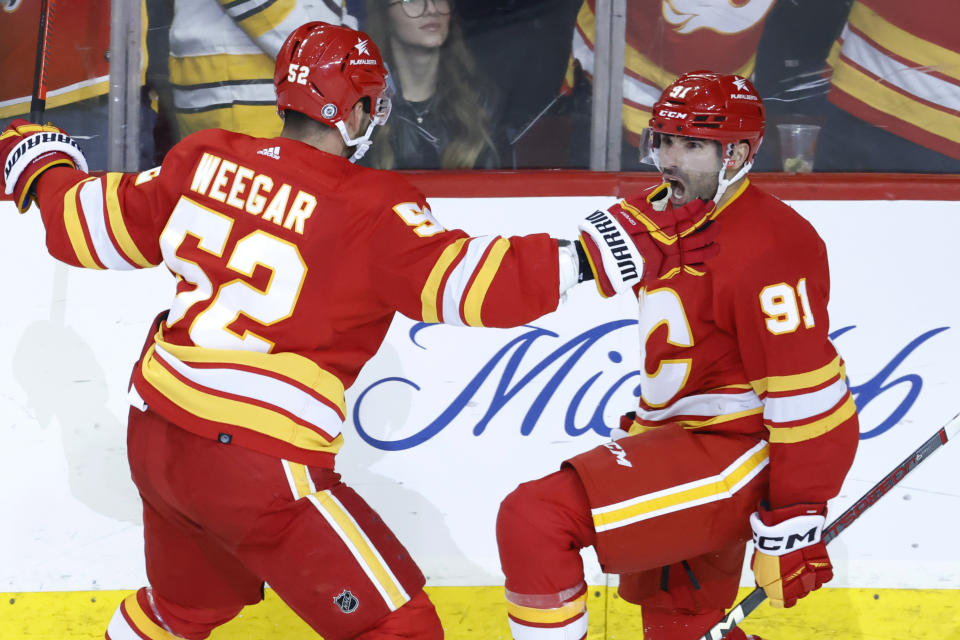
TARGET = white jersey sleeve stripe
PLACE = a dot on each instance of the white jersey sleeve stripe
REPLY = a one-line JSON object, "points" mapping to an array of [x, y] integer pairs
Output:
{"points": [[707, 405], [93, 208], [265, 389], [805, 405], [460, 277]]}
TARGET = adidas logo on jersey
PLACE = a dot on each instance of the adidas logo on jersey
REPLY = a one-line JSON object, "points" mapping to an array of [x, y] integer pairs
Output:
{"points": [[270, 152]]}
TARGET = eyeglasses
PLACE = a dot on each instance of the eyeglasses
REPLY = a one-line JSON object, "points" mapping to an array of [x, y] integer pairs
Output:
{"points": [[416, 8]]}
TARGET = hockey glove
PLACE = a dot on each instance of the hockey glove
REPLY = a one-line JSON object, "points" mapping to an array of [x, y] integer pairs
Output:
{"points": [[789, 559], [633, 241], [26, 151]]}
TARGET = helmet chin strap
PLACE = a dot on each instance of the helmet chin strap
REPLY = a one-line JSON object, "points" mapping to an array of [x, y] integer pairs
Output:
{"points": [[362, 143], [723, 183]]}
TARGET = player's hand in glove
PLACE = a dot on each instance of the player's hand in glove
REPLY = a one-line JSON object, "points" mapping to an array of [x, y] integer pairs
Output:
{"points": [[789, 560], [26, 151], [643, 239]]}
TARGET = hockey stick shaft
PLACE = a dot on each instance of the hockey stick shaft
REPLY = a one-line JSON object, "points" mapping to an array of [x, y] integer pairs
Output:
{"points": [[756, 597], [38, 97]]}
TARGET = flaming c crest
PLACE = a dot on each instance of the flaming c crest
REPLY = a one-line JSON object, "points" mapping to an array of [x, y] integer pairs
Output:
{"points": [[723, 16]]}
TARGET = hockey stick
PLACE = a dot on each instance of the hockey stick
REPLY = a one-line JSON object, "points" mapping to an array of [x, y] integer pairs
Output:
{"points": [[38, 98], [756, 597]]}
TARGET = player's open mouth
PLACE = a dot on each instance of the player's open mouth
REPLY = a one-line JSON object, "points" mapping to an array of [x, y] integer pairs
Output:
{"points": [[677, 189]]}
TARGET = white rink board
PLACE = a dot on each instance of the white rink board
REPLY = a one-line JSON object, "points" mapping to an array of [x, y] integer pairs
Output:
{"points": [[496, 400]]}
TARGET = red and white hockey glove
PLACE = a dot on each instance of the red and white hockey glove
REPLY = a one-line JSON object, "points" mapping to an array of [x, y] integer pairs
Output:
{"points": [[789, 559], [642, 239], [26, 151]]}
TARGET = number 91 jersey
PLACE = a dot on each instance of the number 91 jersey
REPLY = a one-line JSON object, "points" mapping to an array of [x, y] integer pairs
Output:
{"points": [[743, 347], [290, 263]]}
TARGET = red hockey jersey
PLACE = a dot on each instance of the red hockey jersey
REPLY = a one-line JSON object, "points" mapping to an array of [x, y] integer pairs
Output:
{"points": [[743, 347], [897, 66], [665, 39], [290, 263], [78, 64]]}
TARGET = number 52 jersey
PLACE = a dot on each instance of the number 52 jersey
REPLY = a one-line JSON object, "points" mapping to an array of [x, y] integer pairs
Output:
{"points": [[290, 264]]}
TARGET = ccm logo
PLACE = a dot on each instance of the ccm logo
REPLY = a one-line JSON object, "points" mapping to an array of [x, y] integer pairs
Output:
{"points": [[667, 113], [785, 543]]}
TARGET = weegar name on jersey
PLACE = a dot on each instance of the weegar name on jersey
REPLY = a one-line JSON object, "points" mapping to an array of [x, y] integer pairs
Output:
{"points": [[252, 192]]}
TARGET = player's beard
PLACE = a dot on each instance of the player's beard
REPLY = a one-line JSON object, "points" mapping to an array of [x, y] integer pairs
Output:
{"points": [[685, 186]]}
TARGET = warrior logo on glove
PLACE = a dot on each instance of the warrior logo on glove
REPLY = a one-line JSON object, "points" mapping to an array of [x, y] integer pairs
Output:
{"points": [[617, 243], [642, 238], [27, 151]]}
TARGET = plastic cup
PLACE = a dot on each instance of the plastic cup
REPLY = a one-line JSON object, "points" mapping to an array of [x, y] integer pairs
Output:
{"points": [[797, 144]]}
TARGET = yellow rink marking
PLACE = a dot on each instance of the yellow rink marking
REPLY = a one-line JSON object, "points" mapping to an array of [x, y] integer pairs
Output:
{"points": [[479, 613]]}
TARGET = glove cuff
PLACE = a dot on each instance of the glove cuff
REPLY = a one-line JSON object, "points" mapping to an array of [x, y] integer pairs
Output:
{"points": [[789, 533], [33, 147]]}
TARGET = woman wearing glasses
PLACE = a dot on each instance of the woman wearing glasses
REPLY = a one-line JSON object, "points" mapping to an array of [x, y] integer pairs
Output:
{"points": [[439, 120]]}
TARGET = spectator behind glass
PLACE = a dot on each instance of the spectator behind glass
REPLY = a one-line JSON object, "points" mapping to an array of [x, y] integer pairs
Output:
{"points": [[537, 121], [437, 120]]}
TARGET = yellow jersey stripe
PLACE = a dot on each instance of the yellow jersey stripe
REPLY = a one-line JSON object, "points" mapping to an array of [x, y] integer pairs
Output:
{"points": [[117, 225], [587, 21], [563, 613], [428, 296], [71, 221], [473, 302], [196, 69], [24, 130], [266, 18], [260, 121], [287, 365], [59, 97], [140, 620], [691, 494], [893, 103], [363, 551], [903, 43], [697, 424], [798, 381], [635, 119], [234, 412], [736, 194], [299, 478], [651, 226], [791, 435], [63, 162]]}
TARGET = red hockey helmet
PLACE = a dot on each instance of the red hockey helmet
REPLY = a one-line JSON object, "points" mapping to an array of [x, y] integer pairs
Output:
{"points": [[323, 70], [713, 106]]}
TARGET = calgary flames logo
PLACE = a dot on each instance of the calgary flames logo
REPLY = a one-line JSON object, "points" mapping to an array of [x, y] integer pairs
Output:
{"points": [[723, 16]]}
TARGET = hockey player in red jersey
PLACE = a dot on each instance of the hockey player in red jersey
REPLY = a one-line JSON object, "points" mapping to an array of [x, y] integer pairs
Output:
{"points": [[290, 262], [745, 426]]}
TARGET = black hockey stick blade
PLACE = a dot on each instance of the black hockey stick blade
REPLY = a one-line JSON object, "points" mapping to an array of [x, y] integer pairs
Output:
{"points": [[756, 597]]}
